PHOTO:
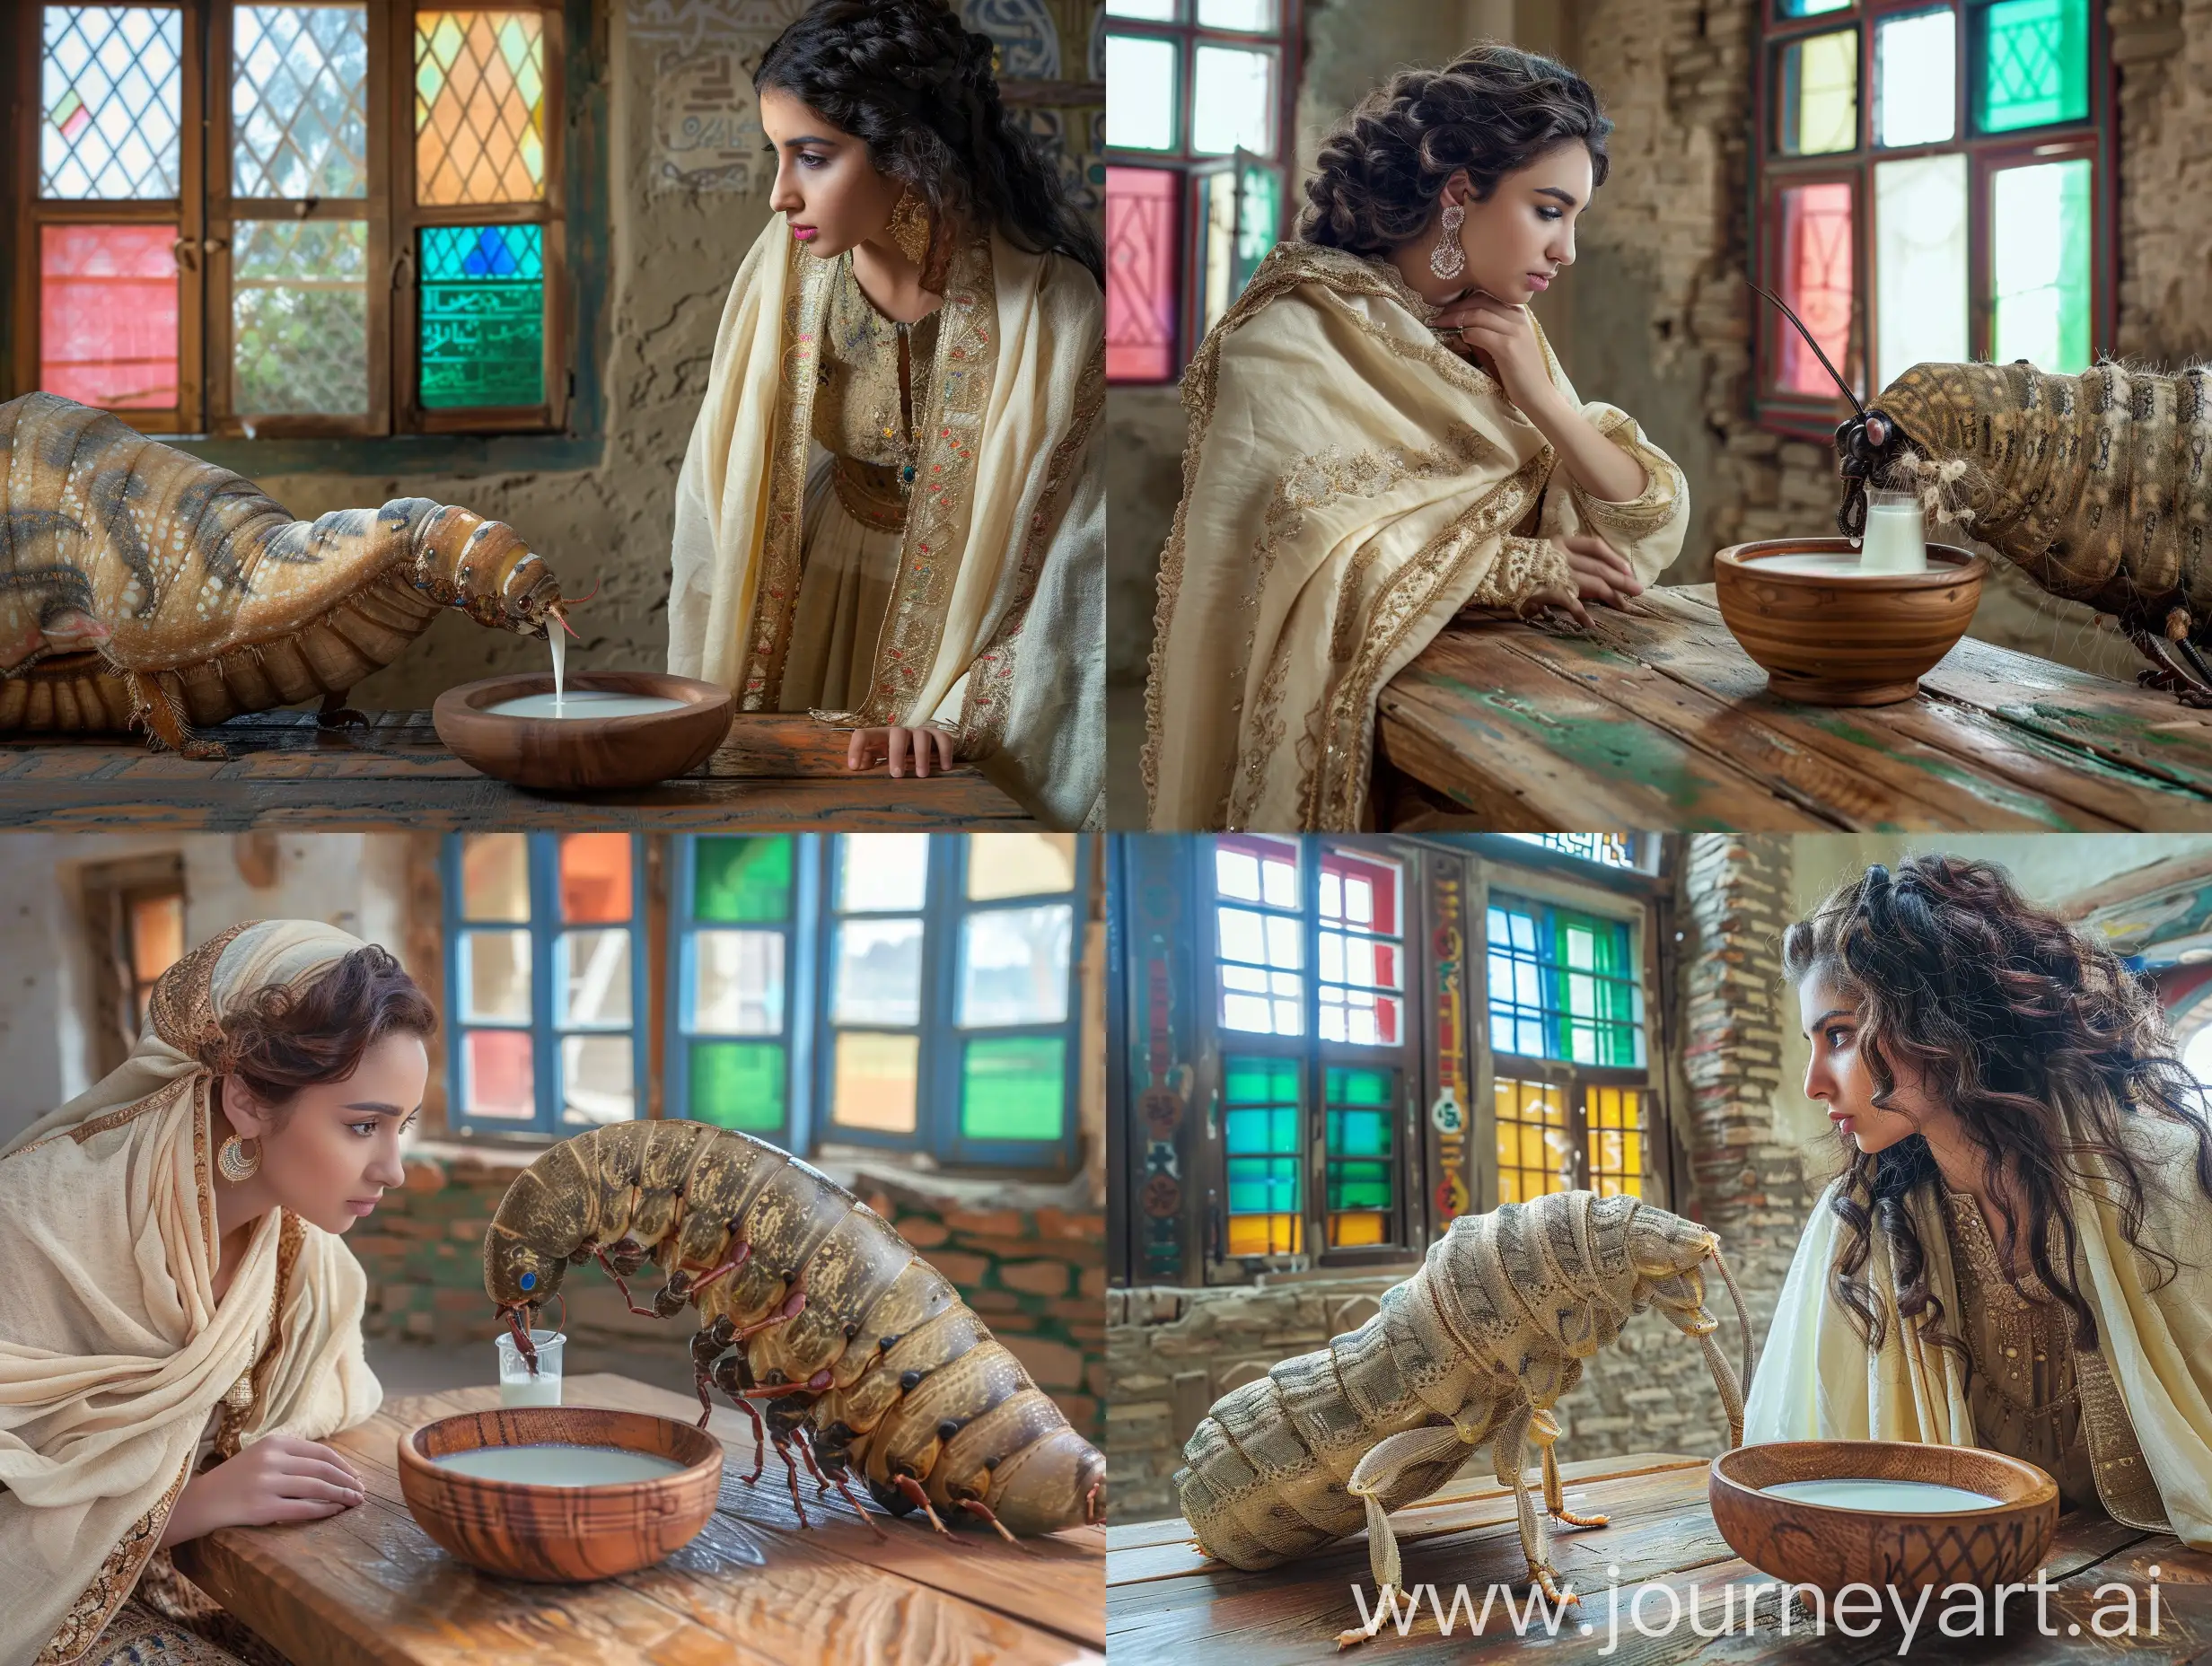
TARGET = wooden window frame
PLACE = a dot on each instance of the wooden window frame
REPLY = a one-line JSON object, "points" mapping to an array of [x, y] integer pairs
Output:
{"points": [[106, 891], [1803, 416]]}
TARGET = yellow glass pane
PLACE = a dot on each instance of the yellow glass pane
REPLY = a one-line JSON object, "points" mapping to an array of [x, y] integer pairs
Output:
{"points": [[1508, 1144], [1605, 1108], [1606, 1158], [1533, 1150], [1263, 1234], [480, 107], [1632, 1152], [1544, 1180], [1633, 1186], [1508, 1185], [494, 877], [1819, 106], [1019, 864], [875, 1085], [1351, 1227]]}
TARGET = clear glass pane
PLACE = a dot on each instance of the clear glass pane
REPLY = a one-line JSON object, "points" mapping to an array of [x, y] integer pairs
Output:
{"points": [[737, 983], [1013, 966], [111, 92], [1284, 946], [495, 977], [1242, 936], [1816, 282], [1152, 11], [592, 970], [480, 107], [1816, 95], [1141, 90], [497, 1078], [1919, 264], [876, 972], [108, 315], [1232, 102], [2034, 63], [873, 1079], [595, 878], [738, 1084], [495, 876], [1141, 244], [1019, 864], [300, 317], [2039, 265], [1251, 15], [1236, 874], [742, 879], [299, 101], [482, 306], [1243, 211], [1278, 878], [1915, 78], [597, 1082], [881, 873], [1013, 1087]]}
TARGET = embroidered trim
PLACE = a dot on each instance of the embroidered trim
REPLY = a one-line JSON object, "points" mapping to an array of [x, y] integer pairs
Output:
{"points": [[182, 1006], [2125, 1485], [870, 494], [1524, 565], [807, 286], [1659, 502], [237, 1407], [112, 1585]]}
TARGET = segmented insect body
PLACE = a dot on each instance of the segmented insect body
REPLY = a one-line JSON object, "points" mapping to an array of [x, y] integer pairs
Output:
{"points": [[140, 583], [861, 1355], [1473, 1350]]}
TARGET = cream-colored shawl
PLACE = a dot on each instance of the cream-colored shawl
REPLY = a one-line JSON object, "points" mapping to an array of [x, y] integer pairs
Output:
{"points": [[1348, 486], [997, 627], [113, 1350], [2146, 1391]]}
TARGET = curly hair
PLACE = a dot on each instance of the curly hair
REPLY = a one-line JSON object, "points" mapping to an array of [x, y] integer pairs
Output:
{"points": [[908, 80], [286, 1038], [1493, 110], [2009, 1016]]}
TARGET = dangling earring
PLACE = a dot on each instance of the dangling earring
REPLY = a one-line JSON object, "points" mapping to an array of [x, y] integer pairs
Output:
{"points": [[909, 225], [1448, 260], [238, 1167]]}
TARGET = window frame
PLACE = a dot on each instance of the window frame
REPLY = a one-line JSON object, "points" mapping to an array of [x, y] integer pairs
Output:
{"points": [[1803, 417]]}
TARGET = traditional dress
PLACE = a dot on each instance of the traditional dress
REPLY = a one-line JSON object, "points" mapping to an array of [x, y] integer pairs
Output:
{"points": [[119, 1368], [1349, 484], [884, 523], [2127, 1425]]}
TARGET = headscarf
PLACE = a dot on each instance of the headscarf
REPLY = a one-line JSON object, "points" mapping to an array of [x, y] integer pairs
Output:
{"points": [[113, 1348]]}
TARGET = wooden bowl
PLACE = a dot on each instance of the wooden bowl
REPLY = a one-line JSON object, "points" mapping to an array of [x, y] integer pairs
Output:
{"points": [[1830, 1548], [1859, 640], [584, 754], [560, 1533]]}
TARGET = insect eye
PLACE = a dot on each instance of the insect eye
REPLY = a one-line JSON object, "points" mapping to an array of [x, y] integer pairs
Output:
{"points": [[529, 1281]]}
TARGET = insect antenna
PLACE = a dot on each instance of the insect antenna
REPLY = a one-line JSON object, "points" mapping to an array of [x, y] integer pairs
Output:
{"points": [[1842, 386]]}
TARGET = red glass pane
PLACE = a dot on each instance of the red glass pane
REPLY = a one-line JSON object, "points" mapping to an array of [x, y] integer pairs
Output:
{"points": [[497, 1082], [595, 878], [108, 315], [1816, 282], [1143, 209]]}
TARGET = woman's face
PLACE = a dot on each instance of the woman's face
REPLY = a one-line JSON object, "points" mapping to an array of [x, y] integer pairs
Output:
{"points": [[1840, 1077], [826, 188], [1518, 241], [332, 1156]]}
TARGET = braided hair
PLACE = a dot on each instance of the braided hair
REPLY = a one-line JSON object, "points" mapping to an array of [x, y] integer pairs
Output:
{"points": [[1493, 110], [909, 82]]}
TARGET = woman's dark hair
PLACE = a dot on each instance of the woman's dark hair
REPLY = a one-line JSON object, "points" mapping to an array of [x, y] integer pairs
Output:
{"points": [[286, 1038], [1493, 110], [905, 78], [2009, 1016]]}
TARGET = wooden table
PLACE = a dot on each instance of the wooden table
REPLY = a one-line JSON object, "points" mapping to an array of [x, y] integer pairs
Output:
{"points": [[1655, 718], [776, 772], [1165, 1602], [367, 1587]]}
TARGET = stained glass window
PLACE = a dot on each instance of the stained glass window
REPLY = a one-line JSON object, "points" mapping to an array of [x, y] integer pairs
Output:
{"points": [[1612, 850], [1013, 1087], [1563, 984], [482, 314], [1140, 273], [1815, 250], [299, 101], [1232, 104], [1613, 1129], [1535, 1149], [1915, 78], [1359, 1164], [299, 316], [2039, 259], [734, 915], [480, 107], [2034, 64], [1919, 264], [111, 92], [1259, 933], [1243, 209], [1141, 93], [108, 315], [879, 889], [1361, 954], [1816, 109], [1809, 8], [1263, 1146]]}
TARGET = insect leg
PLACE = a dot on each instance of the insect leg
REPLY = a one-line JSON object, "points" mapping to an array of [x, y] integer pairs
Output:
{"points": [[794, 1303], [744, 1251], [976, 1506], [1554, 1496], [727, 1378], [707, 1346], [911, 1489], [625, 1289]]}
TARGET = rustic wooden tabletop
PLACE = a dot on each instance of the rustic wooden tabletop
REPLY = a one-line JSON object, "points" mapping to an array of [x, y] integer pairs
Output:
{"points": [[1655, 718], [367, 1587], [776, 772]]}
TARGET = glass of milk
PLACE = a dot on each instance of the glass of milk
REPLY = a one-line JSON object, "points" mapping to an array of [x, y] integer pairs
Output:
{"points": [[517, 1387], [1896, 536]]}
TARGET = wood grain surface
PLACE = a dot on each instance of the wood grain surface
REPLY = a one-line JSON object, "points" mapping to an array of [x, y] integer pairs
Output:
{"points": [[368, 1587], [1656, 718], [776, 772], [1166, 1603]]}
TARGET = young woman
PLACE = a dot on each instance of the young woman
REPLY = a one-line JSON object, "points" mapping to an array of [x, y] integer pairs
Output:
{"points": [[2018, 1253], [1380, 436], [179, 1324], [891, 514]]}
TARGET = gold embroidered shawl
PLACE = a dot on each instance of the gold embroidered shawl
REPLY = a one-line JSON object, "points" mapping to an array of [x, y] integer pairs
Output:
{"points": [[2145, 1390], [997, 625], [113, 1350], [1348, 486]]}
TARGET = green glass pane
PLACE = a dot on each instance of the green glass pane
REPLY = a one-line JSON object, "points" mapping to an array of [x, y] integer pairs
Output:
{"points": [[1808, 8], [1359, 1186], [738, 1084], [2034, 64], [1359, 1134], [482, 316], [1262, 1186], [1013, 1087], [1261, 1129], [1349, 1086], [2039, 265], [1248, 1079], [742, 879]]}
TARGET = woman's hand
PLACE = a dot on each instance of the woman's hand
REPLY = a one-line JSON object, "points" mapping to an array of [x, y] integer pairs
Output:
{"points": [[1599, 575], [894, 745], [1507, 337], [279, 1478]]}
